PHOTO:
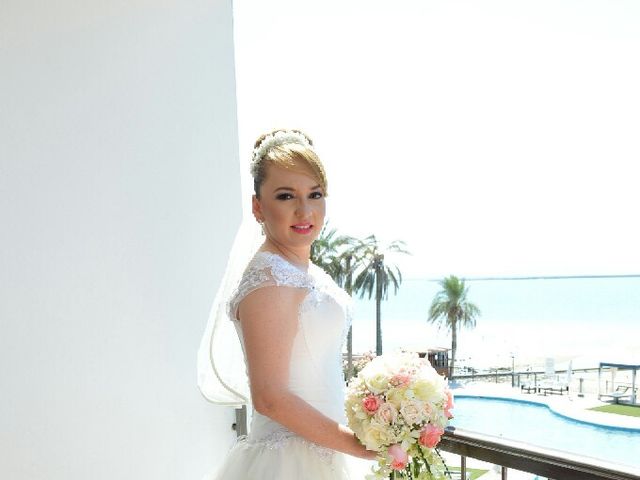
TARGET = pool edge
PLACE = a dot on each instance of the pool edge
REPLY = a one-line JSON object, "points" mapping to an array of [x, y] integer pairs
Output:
{"points": [[550, 406]]}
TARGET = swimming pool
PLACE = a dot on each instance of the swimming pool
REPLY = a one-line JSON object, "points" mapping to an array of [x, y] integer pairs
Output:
{"points": [[537, 424]]}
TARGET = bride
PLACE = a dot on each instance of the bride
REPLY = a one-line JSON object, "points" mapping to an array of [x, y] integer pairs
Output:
{"points": [[292, 320]]}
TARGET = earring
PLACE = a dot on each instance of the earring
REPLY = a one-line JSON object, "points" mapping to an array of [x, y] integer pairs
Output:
{"points": [[261, 222]]}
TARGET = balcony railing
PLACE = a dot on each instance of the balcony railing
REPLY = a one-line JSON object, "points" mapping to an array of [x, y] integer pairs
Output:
{"points": [[548, 463], [551, 464]]}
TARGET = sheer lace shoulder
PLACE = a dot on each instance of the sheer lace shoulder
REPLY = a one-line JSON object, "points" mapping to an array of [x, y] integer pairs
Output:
{"points": [[267, 269]]}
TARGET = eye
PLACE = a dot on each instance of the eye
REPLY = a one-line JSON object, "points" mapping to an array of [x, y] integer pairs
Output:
{"points": [[316, 195], [284, 196]]}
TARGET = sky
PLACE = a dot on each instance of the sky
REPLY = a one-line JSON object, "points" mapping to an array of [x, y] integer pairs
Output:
{"points": [[496, 138]]}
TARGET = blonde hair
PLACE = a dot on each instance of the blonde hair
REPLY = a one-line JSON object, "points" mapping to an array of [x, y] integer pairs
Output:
{"points": [[287, 155]]}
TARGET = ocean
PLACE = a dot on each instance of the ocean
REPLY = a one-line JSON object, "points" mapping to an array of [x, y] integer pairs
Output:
{"points": [[585, 320]]}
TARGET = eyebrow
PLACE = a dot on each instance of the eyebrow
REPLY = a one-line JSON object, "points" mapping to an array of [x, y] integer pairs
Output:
{"points": [[289, 189]]}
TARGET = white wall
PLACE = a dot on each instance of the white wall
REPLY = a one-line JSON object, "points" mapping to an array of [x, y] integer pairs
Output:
{"points": [[119, 196]]}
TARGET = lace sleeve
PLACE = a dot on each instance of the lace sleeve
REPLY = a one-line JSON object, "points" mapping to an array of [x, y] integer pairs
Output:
{"points": [[267, 270]]}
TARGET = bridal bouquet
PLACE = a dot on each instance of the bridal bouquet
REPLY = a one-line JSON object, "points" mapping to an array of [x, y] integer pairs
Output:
{"points": [[398, 405]]}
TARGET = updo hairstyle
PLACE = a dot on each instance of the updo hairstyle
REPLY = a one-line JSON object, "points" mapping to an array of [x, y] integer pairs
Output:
{"points": [[286, 155]]}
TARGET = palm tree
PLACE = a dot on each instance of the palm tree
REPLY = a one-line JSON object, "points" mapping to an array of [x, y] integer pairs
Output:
{"points": [[326, 252], [349, 266], [451, 309], [377, 274]]}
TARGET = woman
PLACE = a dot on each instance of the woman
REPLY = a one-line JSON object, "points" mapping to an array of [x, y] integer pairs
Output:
{"points": [[292, 320]]}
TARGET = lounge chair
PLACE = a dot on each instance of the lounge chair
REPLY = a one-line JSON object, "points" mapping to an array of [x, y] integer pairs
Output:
{"points": [[618, 393], [553, 385], [558, 388]]}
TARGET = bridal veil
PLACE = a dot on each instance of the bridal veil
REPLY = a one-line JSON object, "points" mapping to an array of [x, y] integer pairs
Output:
{"points": [[222, 373]]}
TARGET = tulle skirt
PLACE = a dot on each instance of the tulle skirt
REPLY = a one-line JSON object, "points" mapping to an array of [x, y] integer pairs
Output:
{"points": [[290, 458]]}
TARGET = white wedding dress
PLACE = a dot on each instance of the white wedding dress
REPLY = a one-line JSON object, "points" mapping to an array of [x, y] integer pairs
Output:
{"points": [[270, 451]]}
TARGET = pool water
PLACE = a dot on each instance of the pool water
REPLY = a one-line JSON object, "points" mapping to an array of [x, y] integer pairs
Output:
{"points": [[538, 425]]}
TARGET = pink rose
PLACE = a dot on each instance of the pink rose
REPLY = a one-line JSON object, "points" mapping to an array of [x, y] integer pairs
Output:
{"points": [[400, 380], [399, 457], [430, 435], [371, 404]]}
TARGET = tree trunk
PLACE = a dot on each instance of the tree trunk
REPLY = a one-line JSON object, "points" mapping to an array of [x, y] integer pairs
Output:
{"points": [[350, 353], [348, 287], [378, 305], [454, 346]]}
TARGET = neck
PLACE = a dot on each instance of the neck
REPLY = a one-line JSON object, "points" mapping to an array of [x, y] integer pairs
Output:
{"points": [[298, 257]]}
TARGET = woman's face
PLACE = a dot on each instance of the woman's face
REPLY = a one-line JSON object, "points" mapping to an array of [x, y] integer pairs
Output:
{"points": [[292, 207]]}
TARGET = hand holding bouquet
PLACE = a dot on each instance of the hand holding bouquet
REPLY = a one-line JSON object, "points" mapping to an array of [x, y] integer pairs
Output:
{"points": [[398, 405]]}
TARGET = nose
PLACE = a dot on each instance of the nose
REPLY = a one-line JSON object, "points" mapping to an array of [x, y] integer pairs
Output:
{"points": [[303, 208]]}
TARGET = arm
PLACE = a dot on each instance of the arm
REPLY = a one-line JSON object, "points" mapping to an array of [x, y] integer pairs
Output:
{"points": [[269, 319]]}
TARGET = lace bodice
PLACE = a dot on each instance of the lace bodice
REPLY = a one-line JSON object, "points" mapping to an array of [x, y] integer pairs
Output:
{"points": [[264, 270], [324, 317]]}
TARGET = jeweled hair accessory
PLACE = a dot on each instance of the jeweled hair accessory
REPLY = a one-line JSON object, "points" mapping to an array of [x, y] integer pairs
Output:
{"points": [[281, 137]]}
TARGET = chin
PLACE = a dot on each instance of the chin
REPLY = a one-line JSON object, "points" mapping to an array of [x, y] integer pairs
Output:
{"points": [[300, 241], [306, 242]]}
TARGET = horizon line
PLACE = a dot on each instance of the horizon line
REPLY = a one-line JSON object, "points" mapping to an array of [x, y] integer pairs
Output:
{"points": [[532, 277]]}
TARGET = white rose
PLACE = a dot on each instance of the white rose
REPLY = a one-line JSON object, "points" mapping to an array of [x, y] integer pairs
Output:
{"points": [[376, 436], [412, 411], [386, 414], [377, 383]]}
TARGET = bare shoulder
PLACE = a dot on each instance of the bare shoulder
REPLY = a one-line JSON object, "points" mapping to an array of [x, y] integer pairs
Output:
{"points": [[269, 322], [271, 304]]}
